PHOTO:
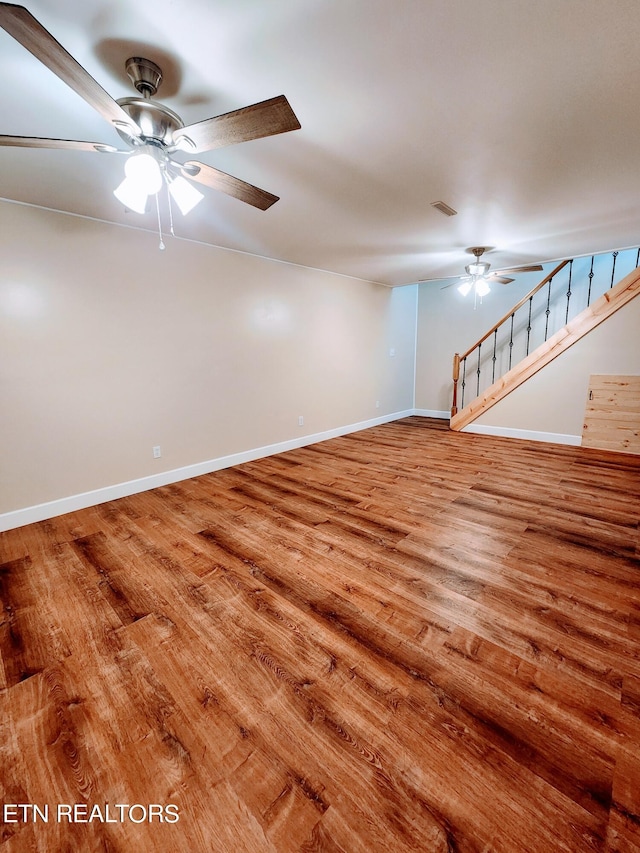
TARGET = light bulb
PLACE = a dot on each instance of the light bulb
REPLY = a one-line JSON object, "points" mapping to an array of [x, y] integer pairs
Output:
{"points": [[185, 195], [464, 288], [144, 171]]}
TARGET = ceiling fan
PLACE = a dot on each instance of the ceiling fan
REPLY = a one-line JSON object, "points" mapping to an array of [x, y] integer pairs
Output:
{"points": [[156, 137], [477, 276]]}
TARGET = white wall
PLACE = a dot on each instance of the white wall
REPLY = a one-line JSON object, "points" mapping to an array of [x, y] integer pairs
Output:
{"points": [[109, 346]]}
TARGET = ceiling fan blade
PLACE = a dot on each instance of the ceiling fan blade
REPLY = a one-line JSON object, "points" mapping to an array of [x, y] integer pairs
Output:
{"points": [[26, 30], [453, 279], [69, 144], [501, 279], [266, 118], [228, 184], [526, 268]]}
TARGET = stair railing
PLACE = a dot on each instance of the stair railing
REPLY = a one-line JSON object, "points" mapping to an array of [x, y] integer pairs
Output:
{"points": [[539, 322]]}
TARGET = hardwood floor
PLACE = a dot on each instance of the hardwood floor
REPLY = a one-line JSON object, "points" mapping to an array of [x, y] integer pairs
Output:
{"points": [[405, 639]]}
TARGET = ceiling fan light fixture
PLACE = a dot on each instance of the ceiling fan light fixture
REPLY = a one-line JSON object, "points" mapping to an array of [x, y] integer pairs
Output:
{"points": [[185, 195], [464, 288], [131, 195]]}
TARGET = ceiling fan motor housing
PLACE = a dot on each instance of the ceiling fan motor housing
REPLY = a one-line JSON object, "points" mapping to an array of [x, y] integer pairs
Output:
{"points": [[157, 123], [478, 267]]}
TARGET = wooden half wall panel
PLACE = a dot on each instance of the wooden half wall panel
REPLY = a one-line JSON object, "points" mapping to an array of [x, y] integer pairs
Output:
{"points": [[612, 415]]}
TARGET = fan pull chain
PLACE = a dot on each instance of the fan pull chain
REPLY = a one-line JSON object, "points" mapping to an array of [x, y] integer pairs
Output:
{"points": [[161, 246], [170, 212]]}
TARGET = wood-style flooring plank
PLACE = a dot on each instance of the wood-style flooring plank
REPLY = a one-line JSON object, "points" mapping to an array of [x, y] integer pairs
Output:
{"points": [[405, 638]]}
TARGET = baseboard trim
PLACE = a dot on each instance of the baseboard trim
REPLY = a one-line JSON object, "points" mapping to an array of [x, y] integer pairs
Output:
{"points": [[51, 509], [432, 413], [527, 434]]}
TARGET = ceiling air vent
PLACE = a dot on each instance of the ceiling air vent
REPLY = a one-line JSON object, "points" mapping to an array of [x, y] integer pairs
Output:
{"points": [[443, 208]]}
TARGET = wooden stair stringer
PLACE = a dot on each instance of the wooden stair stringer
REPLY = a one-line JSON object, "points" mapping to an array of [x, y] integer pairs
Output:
{"points": [[619, 295]]}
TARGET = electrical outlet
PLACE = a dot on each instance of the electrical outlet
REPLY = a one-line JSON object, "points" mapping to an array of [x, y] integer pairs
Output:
{"points": [[300, 421], [392, 352], [156, 452], [377, 404]]}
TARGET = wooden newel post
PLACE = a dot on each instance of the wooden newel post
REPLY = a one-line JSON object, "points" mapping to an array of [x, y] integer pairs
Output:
{"points": [[456, 376]]}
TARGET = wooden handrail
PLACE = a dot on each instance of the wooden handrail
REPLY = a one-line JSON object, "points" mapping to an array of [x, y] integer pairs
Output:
{"points": [[513, 310]]}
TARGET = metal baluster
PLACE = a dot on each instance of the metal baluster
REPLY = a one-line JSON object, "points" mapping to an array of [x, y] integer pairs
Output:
{"points": [[566, 316], [590, 283], [495, 342], [511, 340], [478, 370], [638, 258], [613, 269], [464, 380], [529, 324], [548, 311]]}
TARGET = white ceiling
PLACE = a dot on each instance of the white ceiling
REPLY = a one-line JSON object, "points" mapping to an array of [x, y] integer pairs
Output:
{"points": [[523, 115]]}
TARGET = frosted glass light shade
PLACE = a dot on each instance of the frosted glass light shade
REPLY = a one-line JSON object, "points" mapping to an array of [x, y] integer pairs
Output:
{"points": [[144, 171], [482, 288], [185, 195], [464, 288], [131, 195]]}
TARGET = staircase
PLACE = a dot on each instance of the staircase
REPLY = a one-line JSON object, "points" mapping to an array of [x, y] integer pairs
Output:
{"points": [[574, 298]]}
